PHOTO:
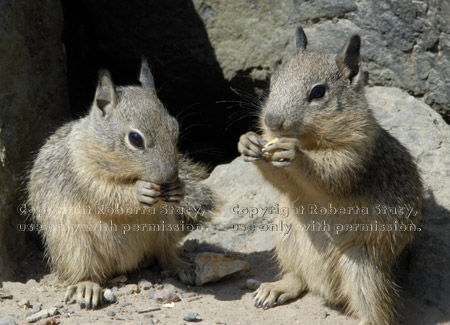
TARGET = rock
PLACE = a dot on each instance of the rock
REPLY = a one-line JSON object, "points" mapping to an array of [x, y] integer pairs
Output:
{"points": [[144, 285], [125, 304], [149, 309], [324, 314], [426, 135], [7, 321], [128, 290], [46, 322], [401, 41], [169, 305], [32, 283], [5, 294], [36, 308], [111, 313], [42, 314], [166, 294], [33, 97], [109, 296], [133, 287], [252, 284], [211, 267], [24, 303], [249, 204], [119, 279], [191, 317]]}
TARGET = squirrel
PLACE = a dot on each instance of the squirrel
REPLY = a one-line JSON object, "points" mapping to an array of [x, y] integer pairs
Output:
{"points": [[322, 148], [116, 168]]}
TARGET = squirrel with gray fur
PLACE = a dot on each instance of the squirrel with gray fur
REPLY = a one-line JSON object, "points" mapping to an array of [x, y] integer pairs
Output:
{"points": [[119, 165], [329, 151]]}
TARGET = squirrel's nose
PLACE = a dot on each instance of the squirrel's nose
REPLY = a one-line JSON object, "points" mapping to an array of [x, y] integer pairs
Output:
{"points": [[273, 121], [171, 176]]}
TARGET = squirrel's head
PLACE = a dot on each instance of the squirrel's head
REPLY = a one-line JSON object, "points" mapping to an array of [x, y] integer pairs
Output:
{"points": [[135, 136], [314, 93]]}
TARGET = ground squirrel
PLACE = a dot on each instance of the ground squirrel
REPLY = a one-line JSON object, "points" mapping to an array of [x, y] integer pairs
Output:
{"points": [[353, 191], [104, 187]]}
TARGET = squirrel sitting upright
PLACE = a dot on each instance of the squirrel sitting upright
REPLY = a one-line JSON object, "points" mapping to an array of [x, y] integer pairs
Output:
{"points": [[334, 165], [119, 168]]}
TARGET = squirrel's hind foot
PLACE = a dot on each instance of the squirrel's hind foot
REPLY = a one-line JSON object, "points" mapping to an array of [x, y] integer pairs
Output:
{"points": [[88, 294]]}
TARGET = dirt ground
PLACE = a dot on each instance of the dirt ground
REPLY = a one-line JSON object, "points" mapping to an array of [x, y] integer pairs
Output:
{"points": [[225, 302]]}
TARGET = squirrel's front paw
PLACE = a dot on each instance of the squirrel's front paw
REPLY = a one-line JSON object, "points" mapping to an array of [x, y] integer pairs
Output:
{"points": [[148, 193], [250, 146], [281, 153], [174, 192]]}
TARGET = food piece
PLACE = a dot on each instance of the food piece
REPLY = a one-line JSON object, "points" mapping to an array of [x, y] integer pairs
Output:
{"points": [[267, 155]]}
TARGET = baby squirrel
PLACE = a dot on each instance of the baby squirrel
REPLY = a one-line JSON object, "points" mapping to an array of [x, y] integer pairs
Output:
{"points": [[332, 154], [119, 165]]}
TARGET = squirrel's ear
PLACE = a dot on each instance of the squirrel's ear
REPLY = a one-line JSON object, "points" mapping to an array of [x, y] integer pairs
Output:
{"points": [[300, 39], [145, 76], [105, 95], [351, 57]]}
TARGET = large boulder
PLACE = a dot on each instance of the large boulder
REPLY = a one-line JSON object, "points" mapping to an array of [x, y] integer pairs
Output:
{"points": [[33, 95], [244, 223], [405, 44]]}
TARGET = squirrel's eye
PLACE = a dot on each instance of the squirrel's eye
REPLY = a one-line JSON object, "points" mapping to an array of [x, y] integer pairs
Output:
{"points": [[136, 140], [317, 92]]}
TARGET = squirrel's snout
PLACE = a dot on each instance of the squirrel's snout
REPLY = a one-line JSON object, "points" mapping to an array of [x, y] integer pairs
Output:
{"points": [[171, 178], [273, 120]]}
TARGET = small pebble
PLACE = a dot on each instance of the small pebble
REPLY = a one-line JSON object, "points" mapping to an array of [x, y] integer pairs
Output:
{"points": [[42, 314], [5, 294], [36, 308], [125, 304], [192, 317], [252, 284], [25, 303], [119, 279], [324, 314], [133, 287], [144, 285], [166, 294], [111, 313], [148, 309], [124, 291], [109, 296], [7, 321]]}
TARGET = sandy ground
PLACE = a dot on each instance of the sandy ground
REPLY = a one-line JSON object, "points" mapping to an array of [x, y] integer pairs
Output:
{"points": [[225, 302]]}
